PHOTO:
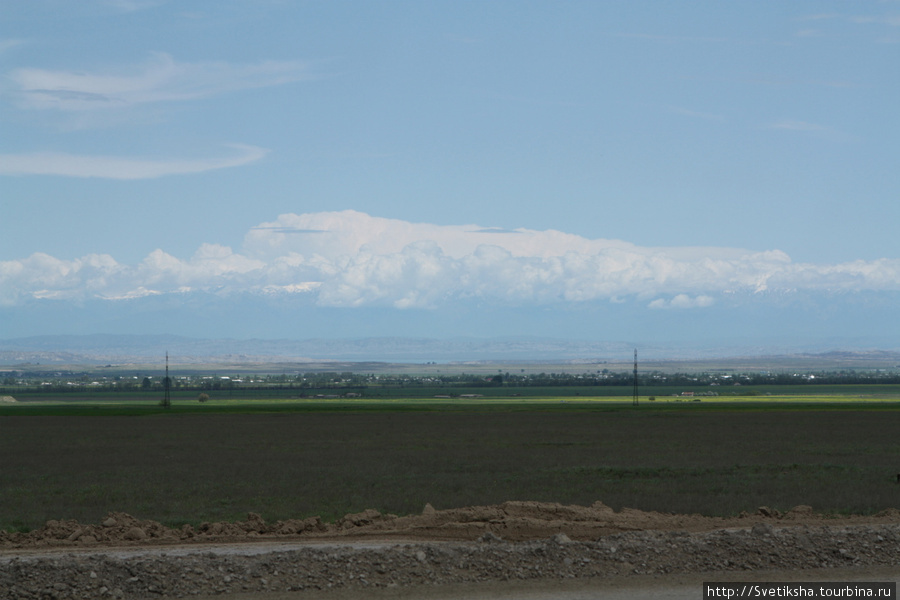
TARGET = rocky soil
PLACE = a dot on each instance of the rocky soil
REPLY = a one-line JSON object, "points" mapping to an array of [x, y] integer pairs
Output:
{"points": [[124, 557]]}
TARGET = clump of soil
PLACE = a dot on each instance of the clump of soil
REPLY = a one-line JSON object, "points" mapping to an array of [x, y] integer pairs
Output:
{"points": [[512, 521]]}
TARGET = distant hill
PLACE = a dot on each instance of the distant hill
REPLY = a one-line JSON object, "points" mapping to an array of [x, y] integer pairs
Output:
{"points": [[96, 349], [105, 349]]}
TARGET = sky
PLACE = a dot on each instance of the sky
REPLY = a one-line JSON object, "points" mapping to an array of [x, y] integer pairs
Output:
{"points": [[648, 171]]}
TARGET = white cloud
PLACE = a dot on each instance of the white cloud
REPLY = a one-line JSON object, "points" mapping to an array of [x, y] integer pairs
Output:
{"points": [[212, 265], [891, 20], [351, 259], [819, 17], [792, 125], [161, 79], [683, 301], [349, 232], [673, 38], [9, 44], [696, 113], [116, 167], [133, 5], [44, 276], [139, 292]]}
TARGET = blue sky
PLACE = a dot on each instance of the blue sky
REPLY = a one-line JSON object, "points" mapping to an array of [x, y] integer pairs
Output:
{"points": [[658, 169]]}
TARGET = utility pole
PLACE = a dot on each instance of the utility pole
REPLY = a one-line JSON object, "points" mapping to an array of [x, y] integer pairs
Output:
{"points": [[634, 396], [167, 397]]}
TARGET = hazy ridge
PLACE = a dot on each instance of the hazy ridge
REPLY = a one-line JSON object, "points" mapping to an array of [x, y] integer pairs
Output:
{"points": [[103, 349]]}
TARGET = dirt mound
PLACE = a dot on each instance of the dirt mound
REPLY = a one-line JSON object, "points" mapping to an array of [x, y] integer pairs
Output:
{"points": [[7, 399], [512, 521], [117, 528]]}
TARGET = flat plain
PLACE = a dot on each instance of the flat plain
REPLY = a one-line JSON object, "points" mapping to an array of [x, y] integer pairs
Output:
{"points": [[292, 460]]}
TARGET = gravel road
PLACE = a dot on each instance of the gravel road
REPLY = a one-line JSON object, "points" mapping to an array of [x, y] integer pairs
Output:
{"points": [[397, 569]]}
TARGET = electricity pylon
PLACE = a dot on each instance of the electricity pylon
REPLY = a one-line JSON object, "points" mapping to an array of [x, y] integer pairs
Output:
{"points": [[167, 395], [634, 396]]}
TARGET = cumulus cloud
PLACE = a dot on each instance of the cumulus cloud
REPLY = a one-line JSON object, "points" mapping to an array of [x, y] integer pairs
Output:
{"points": [[160, 79], [351, 259], [117, 167], [350, 232], [211, 265], [44, 276], [683, 301]]}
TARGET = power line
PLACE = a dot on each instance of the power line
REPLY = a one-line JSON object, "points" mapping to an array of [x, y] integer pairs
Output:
{"points": [[634, 395], [167, 397]]}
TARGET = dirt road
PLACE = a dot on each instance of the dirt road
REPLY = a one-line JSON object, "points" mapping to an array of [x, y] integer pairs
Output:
{"points": [[636, 587], [565, 550]]}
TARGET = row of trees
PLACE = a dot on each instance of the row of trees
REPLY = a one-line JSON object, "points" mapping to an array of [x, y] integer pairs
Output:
{"points": [[347, 381]]}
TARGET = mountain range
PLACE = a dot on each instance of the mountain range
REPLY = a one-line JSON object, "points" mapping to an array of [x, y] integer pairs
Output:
{"points": [[99, 349]]}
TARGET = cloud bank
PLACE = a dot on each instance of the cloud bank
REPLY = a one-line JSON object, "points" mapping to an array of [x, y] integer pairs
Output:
{"points": [[351, 259]]}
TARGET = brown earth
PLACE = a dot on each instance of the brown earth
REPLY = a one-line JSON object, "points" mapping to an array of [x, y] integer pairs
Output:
{"points": [[510, 521], [125, 557]]}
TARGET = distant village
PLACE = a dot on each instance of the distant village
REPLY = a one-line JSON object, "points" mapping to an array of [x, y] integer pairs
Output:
{"points": [[685, 386]]}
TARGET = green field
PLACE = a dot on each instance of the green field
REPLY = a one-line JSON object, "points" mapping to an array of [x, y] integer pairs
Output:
{"points": [[294, 458], [144, 403]]}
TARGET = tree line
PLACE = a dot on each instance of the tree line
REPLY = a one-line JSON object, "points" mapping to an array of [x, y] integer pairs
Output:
{"points": [[62, 382]]}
